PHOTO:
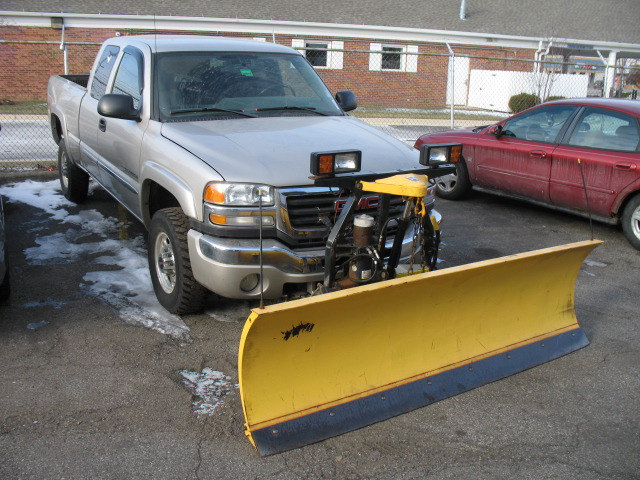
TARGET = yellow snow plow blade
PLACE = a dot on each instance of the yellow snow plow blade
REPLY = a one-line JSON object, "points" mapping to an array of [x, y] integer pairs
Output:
{"points": [[317, 367]]}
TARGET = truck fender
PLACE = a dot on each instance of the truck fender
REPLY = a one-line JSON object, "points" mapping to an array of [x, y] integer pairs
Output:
{"points": [[60, 133], [57, 124], [155, 173]]}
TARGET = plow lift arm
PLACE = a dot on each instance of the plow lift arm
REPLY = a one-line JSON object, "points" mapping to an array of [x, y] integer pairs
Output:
{"points": [[320, 366], [370, 259]]}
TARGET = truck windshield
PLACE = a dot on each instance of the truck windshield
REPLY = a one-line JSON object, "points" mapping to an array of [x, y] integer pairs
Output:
{"points": [[208, 85]]}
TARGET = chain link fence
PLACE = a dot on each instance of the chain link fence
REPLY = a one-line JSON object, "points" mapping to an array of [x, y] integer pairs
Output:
{"points": [[402, 90]]}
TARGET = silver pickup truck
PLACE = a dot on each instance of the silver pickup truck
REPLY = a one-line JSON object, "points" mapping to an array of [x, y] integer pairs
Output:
{"points": [[203, 139]]}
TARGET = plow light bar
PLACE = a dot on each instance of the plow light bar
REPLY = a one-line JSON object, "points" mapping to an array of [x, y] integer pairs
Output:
{"points": [[330, 163], [440, 154]]}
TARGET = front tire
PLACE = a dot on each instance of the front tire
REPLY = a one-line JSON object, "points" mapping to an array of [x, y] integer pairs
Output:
{"points": [[169, 263], [74, 182], [456, 185], [631, 221]]}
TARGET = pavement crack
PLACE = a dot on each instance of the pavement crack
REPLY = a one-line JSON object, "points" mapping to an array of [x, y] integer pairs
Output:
{"points": [[196, 471]]}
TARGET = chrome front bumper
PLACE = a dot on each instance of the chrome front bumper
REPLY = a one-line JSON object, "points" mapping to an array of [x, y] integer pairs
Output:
{"points": [[222, 264]]}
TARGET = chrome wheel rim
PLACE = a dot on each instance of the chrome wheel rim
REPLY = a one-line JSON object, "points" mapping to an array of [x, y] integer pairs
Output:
{"points": [[165, 263], [64, 170]]}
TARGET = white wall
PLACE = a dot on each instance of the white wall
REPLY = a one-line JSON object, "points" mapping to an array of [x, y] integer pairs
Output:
{"points": [[492, 89]]}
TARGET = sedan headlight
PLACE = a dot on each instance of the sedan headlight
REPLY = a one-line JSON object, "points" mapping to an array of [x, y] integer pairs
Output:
{"points": [[239, 194]]}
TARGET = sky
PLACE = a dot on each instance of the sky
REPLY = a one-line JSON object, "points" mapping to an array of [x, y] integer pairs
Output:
{"points": [[124, 284]]}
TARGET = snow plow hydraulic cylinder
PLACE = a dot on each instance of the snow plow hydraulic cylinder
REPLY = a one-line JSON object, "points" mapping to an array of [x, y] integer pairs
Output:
{"points": [[317, 367]]}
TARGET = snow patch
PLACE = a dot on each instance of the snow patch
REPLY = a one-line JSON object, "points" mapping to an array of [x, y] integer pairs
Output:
{"points": [[125, 285], [208, 388], [593, 263]]}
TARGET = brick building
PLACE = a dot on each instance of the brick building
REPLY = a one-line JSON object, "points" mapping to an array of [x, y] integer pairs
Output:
{"points": [[391, 54]]}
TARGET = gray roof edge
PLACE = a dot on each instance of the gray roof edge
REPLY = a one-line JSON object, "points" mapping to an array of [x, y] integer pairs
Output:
{"points": [[286, 27]]}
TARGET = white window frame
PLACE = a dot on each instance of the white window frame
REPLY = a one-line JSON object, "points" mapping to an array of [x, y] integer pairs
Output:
{"points": [[335, 59], [408, 62]]}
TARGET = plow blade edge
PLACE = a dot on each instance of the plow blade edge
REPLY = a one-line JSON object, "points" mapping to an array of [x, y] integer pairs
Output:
{"points": [[317, 367]]}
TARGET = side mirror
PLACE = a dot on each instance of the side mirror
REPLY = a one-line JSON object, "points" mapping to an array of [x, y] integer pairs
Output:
{"points": [[496, 130], [118, 106], [347, 100]]}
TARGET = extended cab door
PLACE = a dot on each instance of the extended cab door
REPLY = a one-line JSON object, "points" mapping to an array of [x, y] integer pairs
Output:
{"points": [[89, 118], [119, 140], [606, 142], [519, 160]]}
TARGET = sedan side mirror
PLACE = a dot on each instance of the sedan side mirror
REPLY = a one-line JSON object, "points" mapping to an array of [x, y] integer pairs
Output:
{"points": [[347, 100], [496, 130], [118, 106]]}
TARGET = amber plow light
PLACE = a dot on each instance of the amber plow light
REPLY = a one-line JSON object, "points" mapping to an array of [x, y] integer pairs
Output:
{"points": [[331, 163]]}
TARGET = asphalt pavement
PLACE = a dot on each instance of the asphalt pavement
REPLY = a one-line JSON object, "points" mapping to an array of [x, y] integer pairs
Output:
{"points": [[89, 395]]}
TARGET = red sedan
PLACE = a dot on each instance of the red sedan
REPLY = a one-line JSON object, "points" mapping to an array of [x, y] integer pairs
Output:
{"points": [[542, 153]]}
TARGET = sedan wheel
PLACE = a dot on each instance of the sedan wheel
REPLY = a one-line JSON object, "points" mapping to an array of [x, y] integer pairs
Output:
{"points": [[455, 185], [631, 221]]}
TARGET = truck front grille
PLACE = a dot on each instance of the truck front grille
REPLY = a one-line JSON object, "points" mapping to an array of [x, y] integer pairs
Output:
{"points": [[310, 215]]}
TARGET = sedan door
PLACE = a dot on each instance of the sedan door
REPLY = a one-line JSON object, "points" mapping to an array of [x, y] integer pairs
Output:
{"points": [[518, 161], [606, 142]]}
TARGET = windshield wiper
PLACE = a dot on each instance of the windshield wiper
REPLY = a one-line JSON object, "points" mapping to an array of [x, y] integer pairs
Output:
{"points": [[210, 109], [305, 109]]}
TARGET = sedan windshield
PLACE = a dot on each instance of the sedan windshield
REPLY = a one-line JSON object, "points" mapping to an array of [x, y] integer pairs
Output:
{"points": [[210, 85]]}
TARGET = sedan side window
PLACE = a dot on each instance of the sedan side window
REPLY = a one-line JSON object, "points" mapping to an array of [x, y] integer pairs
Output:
{"points": [[606, 130], [539, 125]]}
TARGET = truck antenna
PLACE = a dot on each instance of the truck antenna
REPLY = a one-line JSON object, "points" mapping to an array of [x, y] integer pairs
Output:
{"points": [[261, 256]]}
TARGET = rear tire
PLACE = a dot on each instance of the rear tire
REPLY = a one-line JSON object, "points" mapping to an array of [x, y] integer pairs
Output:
{"points": [[456, 185], [74, 182], [631, 221], [169, 263]]}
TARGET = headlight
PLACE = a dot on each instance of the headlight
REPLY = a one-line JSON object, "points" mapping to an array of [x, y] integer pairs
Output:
{"points": [[236, 204], [440, 154], [239, 194], [330, 163]]}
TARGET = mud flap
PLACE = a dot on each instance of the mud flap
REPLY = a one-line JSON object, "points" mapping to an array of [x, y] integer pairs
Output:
{"points": [[318, 367]]}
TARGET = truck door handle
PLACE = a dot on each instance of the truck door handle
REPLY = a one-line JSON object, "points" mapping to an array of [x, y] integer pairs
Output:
{"points": [[102, 125], [627, 167], [538, 153]]}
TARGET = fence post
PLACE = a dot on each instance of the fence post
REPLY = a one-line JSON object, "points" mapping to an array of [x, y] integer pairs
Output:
{"points": [[451, 82], [609, 74]]}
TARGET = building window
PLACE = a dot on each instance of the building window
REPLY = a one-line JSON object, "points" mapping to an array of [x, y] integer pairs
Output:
{"points": [[393, 58], [321, 54], [317, 53]]}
